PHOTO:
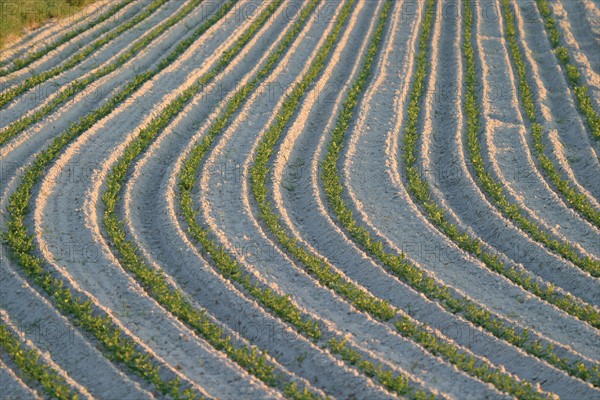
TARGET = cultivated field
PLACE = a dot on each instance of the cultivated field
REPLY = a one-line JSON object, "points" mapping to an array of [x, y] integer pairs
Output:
{"points": [[350, 199]]}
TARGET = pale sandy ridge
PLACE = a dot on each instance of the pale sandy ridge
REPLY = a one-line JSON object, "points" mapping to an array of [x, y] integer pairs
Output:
{"points": [[312, 99], [376, 128], [444, 165], [268, 267], [382, 204], [132, 208], [97, 91], [552, 94], [66, 51], [191, 52], [44, 326], [136, 225], [282, 350], [13, 386], [53, 30], [579, 23], [44, 356], [156, 328], [19, 106], [284, 154], [505, 150]]}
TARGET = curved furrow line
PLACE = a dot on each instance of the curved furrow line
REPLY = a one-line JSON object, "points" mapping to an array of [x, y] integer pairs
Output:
{"points": [[563, 128], [579, 23], [226, 264], [46, 34], [447, 178], [455, 304], [542, 213], [73, 32], [243, 180], [464, 203], [46, 328], [119, 343], [55, 59], [275, 226], [86, 55], [36, 366], [13, 386], [197, 157], [579, 20], [99, 145], [132, 210], [308, 225], [105, 89], [164, 32], [500, 181], [144, 139], [18, 234], [580, 89]]}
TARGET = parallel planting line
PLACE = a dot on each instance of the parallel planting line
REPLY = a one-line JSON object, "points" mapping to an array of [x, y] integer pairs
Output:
{"points": [[495, 191], [32, 368], [377, 308], [230, 269], [13, 384], [577, 200], [580, 90], [155, 281], [22, 124], [422, 192], [22, 248], [23, 62], [10, 94], [402, 267]]}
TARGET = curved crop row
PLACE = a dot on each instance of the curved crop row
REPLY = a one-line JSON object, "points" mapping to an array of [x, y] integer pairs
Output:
{"points": [[402, 267], [420, 189], [230, 269], [577, 200], [580, 90], [10, 94], [317, 266], [29, 364], [23, 123], [23, 62], [22, 248], [153, 280]]}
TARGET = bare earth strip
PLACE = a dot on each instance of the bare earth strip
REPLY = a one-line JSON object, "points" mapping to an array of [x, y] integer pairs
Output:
{"points": [[580, 22], [13, 386], [381, 205], [46, 328], [119, 293], [292, 179], [67, 210], [571, 149], [505, 150], [52, 31]]}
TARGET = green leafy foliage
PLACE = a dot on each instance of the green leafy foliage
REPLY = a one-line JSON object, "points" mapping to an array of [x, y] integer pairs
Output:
{"points": [[35, 80], [580, 90], [30, 365], [398, 264], [576, 200], [31, 57], [155, 282], [20, 243], [77, 86]]}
